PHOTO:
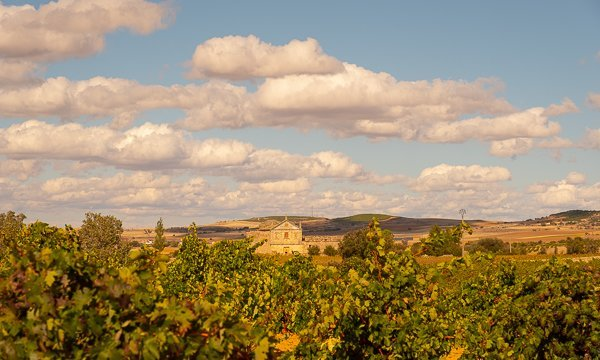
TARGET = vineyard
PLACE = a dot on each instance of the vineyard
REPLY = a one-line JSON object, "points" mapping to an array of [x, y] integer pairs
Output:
{"points": [[59, 299]]}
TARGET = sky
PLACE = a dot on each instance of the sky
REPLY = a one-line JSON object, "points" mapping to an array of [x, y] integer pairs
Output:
{"points": [[217, 110]]}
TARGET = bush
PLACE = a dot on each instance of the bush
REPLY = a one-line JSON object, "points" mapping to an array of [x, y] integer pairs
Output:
{"points": [[314, 250], [488, 245], [580, 245], [330, 251], [356, 243], [445, 241]]}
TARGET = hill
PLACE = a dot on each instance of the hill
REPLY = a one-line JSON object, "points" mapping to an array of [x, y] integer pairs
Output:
{"points": [[364, 217], [571, 217]]}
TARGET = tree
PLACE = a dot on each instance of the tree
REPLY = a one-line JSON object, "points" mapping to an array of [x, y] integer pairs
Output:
{"points": [[100, 236], [159, 237], [330, 251], [10, 226], [314, 250], [489, 245], [356, 243], [444, 241]]}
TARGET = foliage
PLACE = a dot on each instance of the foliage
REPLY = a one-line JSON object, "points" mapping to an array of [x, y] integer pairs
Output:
{"points": [[224, 301], [488, 245], [60, 303], [159, 236], [579, 245], [330, 251], [11, 225], [356, 243], [314, 250], [187, 272], [445, 241], [101, 238]]}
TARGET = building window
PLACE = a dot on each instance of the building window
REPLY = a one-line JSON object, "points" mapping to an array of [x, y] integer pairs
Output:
{"points": [[286, 235]]}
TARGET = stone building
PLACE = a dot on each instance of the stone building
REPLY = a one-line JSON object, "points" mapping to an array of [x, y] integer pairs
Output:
{"points": [[282, 237]]}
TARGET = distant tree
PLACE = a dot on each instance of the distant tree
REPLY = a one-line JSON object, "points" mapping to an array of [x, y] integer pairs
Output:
{"points": [[100, 235], [488, 245], [10, 226], [444, 241], [314, 250], [330, 251], [159, 237], [357, 244]]}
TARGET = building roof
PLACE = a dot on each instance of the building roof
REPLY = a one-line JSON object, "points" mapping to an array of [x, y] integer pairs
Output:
{"points": [[282, 225]]}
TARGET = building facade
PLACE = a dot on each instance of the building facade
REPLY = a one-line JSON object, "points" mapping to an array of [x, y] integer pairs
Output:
{"points": [[283, 237]]}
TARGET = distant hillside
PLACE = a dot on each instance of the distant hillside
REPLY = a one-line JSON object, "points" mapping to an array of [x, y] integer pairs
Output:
{"points": [[576, 215], [364, 217], [579, 217], [281, 218]]}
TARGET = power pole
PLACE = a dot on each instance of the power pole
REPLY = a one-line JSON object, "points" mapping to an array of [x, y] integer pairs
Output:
{"points": [[462, 213]]}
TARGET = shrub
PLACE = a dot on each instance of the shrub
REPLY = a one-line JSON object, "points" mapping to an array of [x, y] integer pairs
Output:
{"points": [[330, 251], [314, 250], [488, 245]]}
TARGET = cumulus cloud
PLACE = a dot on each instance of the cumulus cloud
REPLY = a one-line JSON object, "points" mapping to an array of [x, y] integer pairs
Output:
{"points": [[264, 164], [15, 72], [124, 189], [19, 169], [591, 139], [555, 143], [216, 104], [245, 57], [147, 146], [152, 146], [511, 147], [568, 193], [593, 100], [565, 107], [281, 186], [445, 177], [361, 102], [351, 102], [575, 178], [72, 28], [525, 124]]}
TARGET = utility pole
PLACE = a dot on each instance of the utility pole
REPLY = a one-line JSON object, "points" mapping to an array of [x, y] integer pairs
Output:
{"points": [[462, 213]]}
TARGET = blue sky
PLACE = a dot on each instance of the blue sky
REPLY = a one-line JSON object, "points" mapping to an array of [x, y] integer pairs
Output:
{"points": [[199, 111]]}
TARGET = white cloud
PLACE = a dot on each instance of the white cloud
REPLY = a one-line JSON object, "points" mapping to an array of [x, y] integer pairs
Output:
{"points": [[15, 72], [526, 124], [575, 178], [565, 107], [591, 139], [555, 143], [361, 102], [146, 146], [19, 169], [281, 186], [511, 147], [264, 164], [568, 193], [122, 189], [214, 104], [152, 146], [593, 100], [239, 57], [72, 28], [445, 177]]}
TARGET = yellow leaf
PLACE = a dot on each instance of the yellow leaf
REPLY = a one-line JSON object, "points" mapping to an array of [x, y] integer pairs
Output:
{"points": [[50, 276]]}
